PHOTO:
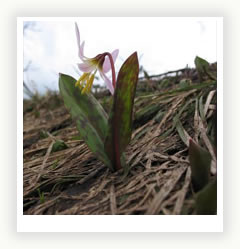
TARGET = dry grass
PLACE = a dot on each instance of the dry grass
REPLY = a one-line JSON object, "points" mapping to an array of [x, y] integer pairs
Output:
{"points": [[73, 181]]}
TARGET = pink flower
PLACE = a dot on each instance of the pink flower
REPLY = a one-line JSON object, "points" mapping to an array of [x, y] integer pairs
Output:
{"points": [[89, 66]]}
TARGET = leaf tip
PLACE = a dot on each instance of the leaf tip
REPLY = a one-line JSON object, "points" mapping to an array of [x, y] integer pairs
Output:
{"points": [[135, 53], [191, 144]]}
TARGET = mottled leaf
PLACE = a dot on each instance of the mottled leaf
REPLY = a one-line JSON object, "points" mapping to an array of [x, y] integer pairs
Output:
{"points": [[89, 115], [120, 119], [200, 162]]}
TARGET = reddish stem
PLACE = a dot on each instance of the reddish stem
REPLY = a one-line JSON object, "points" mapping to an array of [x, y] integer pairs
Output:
{"points": [[113, 69], [116, 129]]}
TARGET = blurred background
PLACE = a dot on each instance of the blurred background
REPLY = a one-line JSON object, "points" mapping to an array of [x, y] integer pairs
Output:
{"points": [[163, 44]]}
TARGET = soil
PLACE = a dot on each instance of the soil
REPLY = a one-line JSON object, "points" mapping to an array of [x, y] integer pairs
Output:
{"points": [[68, 179]]}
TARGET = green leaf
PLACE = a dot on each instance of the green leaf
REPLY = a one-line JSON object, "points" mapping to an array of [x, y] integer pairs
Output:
{"points": [[200, 162], [41, 196], [202, 65], [184, 83], [215, 130], [43, 134], [89, 115], [206, 199], [201, 108], [180, 130], [120, 119], [203, 68], [59, 145], [55, 164]]}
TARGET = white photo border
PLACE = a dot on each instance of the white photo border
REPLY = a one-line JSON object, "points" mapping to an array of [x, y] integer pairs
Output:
{"points": [[117, 223]]}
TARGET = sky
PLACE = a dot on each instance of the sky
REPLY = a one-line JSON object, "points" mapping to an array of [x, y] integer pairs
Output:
{"points": [[163, 44]]}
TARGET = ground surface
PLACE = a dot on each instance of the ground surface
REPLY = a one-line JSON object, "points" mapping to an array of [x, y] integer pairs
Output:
{"points": [[66, 178]]}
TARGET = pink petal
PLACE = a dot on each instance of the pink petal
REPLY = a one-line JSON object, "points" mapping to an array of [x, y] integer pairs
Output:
{"points": [[80, 53], [78, 37], [108, 82], [86, 67], [115, 54], [107, 64]]}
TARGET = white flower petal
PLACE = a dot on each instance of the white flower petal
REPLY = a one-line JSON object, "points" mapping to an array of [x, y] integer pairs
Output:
{"points": [[78, 38], [86, 67], [81, 53], [108, 82], [107, 64]]}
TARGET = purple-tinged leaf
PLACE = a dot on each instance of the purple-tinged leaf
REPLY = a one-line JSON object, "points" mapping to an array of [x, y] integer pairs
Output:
{"points": [[120, 119], [89, 115]]}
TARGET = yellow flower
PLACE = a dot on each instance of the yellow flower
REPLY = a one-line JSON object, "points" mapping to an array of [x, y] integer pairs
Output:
{"points": [[86, 79]]}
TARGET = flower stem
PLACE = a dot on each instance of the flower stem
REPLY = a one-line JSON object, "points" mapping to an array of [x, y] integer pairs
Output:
{"points": [[113, 69], [117, 160]]}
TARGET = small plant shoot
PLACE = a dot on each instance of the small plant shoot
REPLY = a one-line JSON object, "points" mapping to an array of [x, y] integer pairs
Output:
{"points": [[106, 135]]}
